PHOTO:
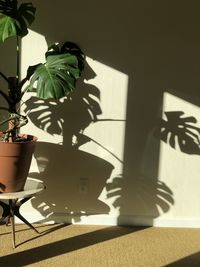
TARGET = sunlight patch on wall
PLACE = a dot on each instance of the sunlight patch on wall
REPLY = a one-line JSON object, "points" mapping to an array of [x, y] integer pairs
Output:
{"points": [[91, 122], [33, 49], [179, 164], [109, 130], [174, 103]]}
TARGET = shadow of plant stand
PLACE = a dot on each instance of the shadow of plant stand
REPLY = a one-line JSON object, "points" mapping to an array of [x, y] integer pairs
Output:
{"points": [[15, 201]]}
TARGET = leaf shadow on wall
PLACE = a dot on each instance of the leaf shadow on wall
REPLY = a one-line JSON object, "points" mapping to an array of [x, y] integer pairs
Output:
{"points": [[156, 194], [74, 178], [179, 132], [137, 40]]}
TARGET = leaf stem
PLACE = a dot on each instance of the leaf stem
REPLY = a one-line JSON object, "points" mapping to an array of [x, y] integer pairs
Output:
{"points": [[18, 58]]}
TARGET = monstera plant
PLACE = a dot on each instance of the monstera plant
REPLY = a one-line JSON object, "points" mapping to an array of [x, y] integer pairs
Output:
{"points": [[52, 79]]}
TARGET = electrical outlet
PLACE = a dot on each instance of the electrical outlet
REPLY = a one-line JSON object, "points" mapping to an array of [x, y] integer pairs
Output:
{"points": [[83, 185]]}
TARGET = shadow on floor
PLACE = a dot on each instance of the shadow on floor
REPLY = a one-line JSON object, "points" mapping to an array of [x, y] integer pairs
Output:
{"points": [[60, 247], [45, 232], [189, 261]]}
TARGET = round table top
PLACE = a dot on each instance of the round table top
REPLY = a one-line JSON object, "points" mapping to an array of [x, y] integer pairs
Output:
{"points": [[31, 188]]}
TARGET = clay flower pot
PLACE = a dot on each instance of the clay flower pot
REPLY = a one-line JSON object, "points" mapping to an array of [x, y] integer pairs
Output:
{"points": [[15, 160]]}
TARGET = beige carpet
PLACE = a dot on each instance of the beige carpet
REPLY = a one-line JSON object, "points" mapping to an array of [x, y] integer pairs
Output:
{"points": [[99, 246]]}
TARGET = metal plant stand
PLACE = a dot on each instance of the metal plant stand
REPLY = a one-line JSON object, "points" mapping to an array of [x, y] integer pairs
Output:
{"points": [[15, 201]]}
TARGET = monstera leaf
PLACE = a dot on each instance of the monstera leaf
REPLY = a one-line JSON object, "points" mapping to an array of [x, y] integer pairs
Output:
{"points": [[14, 20], [55, 78]]}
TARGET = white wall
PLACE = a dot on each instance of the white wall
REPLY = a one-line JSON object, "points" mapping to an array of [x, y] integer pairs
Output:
{"points": [[143, 61]]}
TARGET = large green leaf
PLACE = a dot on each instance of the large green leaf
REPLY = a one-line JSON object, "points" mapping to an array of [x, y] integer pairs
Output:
{"points": [[56, 78], [7, 27], [14, 20], [74, 49]]}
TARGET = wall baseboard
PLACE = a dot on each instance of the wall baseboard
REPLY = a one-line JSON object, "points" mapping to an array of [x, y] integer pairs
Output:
{"points": [[106, 219]]}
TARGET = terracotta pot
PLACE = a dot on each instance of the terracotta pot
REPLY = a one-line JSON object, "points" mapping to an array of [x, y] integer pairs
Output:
{"points": [[15, 160]]}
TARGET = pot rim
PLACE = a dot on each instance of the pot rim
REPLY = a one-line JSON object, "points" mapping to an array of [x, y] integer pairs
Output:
{"points": [[34, 138]]}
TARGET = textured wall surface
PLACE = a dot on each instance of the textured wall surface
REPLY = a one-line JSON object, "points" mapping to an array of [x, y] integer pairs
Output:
{"points": [[124, 149]]}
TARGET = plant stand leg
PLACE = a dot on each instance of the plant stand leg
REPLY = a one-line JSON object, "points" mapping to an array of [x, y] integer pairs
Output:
{"points": [[10, 211], [12, 219], [18, 214], [6, 213]]}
